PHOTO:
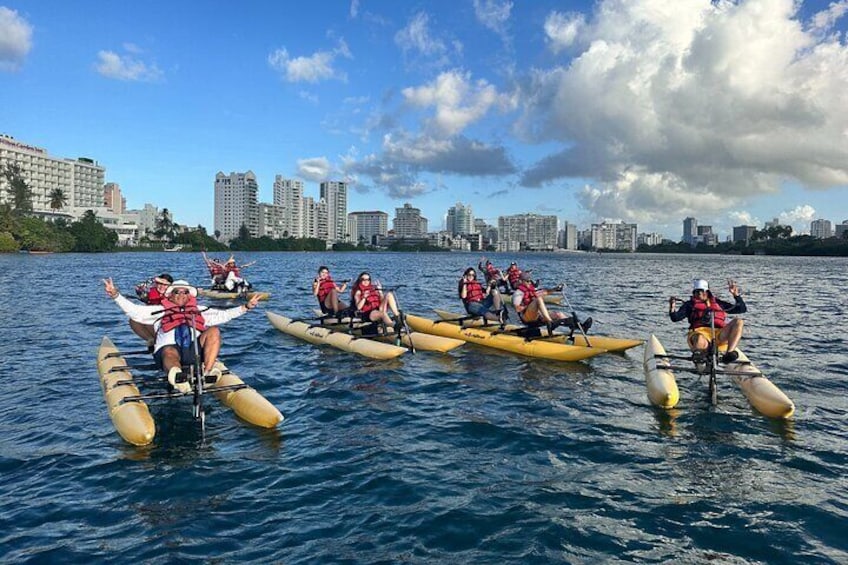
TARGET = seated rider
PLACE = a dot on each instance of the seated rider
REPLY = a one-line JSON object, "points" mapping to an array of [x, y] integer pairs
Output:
{"points": [[327, 292], [479, 301], [492, 273], [513, 275], [216, 271], [150, 295], [529, 302], [372, 304], [233, 281], [701, 308], [178, 322]]}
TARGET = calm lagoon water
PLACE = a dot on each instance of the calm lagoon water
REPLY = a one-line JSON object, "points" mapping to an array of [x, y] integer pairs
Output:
{"points": [[471, 457]]}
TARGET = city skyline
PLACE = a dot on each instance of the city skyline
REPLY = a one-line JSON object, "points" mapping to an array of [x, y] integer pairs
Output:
{"points": [[729, 112]]}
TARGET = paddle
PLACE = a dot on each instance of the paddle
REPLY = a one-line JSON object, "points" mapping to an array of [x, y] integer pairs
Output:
{"points": [[574, 316]]}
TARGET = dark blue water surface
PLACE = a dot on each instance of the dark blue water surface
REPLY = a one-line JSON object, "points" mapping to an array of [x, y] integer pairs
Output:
{"points": [[471, 457]]}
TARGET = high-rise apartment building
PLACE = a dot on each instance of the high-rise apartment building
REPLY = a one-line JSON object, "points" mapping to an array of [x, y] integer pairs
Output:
{"points": [[81, 180], [236, 204], [334, 194], [821, 229], [459, 220], [271, 221], [409, 222], [363, 226], [288, 194], [531, 232], [620, 236], [567, 236], [690, 231]]}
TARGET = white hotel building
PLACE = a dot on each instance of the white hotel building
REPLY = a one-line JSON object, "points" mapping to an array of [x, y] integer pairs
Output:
{"points": [[80, 179]]}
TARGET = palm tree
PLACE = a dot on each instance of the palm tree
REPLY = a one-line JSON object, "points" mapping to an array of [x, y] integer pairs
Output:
{"points": [[57, 199], [19, 190], [165, 225]]}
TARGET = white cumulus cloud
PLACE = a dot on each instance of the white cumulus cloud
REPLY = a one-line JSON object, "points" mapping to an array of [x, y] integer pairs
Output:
{"points": [[15, 39], [314, 169], [696, 104], [312, 68], [561, 30], [457, 101], [126, 67]]}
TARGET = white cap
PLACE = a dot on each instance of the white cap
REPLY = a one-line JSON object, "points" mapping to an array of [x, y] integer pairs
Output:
{"points": [[700, 284]]}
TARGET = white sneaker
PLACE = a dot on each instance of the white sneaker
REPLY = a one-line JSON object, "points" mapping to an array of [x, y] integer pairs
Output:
{"points": [[211, 377], [174, 376]]}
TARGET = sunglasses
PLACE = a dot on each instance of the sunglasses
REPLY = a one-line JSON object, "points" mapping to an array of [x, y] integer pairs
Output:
{"points": [[181, 291], [697, 291], [366, 278]]}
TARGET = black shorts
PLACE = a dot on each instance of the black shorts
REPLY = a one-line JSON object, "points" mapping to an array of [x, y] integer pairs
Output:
{"points": [[187, 357]]}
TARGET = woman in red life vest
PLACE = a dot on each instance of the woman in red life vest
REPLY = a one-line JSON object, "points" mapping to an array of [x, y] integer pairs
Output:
{"points": [[216, 270], [479, 300], [372, 303], [153, 296], [178, 322], [703, 306], [327, 292], [529, 302]]}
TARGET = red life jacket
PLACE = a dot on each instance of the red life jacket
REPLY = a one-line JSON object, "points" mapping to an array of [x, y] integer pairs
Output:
{"points": [[372, 299], [234, 269], [216, 270], [528, 293], [473, 292], [177, 316], [325, 287], [154, 296], [698, 318], [513, 274], [491, 272]]}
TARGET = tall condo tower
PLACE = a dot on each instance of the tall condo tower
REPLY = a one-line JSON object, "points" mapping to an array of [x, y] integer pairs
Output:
{"points": [[236, 204], [334, 194], [288, 194], [460, 219]]}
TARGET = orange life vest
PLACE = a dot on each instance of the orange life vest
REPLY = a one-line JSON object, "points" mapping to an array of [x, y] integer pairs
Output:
{"points": [[473, 292], [325, 287], [154, 296], [513, 274], [372, 299], [528, 292], [178, 315], [700, 315]]}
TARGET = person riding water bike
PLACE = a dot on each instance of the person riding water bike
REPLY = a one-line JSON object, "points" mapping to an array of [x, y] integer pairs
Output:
{"points": [[152, 294], [479, 301], [492, 273], [327, 292], [529, 302], [707, 314], [374, 305], [178, 322]]}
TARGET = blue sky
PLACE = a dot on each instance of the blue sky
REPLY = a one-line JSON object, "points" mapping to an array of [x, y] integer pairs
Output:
{"points": [[646, 111]]}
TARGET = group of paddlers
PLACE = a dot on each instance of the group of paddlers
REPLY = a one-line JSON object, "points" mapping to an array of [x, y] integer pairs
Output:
{"points": [[176, 329], [527, 297]]}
